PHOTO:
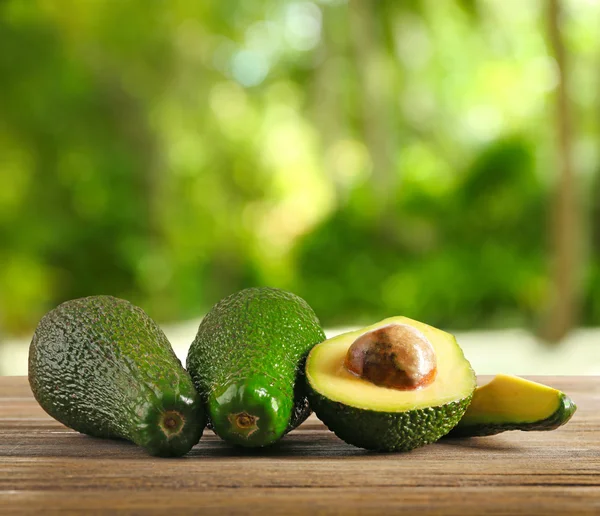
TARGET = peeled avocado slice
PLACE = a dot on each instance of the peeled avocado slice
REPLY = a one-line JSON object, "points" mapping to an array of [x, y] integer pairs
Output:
{"points": [[513, 403], [387, 419]]}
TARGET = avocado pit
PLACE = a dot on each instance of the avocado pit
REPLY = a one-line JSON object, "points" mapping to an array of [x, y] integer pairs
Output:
{"points": [[396, 356]]}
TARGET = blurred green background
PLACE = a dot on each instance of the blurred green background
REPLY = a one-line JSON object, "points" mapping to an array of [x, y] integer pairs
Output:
{"points": [[437, 159]]}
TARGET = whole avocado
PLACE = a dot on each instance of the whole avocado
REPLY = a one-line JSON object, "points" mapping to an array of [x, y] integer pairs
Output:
{"points": [[101, 366], [247, 362]]}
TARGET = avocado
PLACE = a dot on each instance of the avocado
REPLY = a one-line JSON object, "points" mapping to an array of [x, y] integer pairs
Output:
{"points": [[101, 366], [513, 403], [247, 363], [393, 386]]}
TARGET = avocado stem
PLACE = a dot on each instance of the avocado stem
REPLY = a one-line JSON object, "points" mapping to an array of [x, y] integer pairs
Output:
{"points": [[246, 423], [245, 420], [171, 423]]}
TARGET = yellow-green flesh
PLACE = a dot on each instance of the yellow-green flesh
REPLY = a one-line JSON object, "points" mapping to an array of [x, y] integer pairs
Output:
{"points": [[328, 376], [512, 399]]}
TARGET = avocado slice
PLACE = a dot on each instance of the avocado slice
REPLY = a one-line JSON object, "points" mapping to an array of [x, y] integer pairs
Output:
{"points": [[384, 412], [247, 363], [101, 366], [513, 403]]}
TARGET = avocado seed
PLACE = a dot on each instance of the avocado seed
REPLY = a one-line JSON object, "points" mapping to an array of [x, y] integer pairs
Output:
{"points": [[396, 356]]}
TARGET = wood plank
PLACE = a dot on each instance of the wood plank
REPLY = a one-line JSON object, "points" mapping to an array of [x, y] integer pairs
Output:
{"points": [[423, 501], [45, 465]]}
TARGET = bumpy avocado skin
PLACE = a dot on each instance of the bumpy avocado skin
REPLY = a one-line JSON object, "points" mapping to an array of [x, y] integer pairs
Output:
{"points": [[101, 366], [255, 342], [559, 417], [388, 431]]}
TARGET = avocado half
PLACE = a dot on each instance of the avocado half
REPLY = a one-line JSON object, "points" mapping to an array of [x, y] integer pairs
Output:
{"points": [[386, 419], [513, 403]]}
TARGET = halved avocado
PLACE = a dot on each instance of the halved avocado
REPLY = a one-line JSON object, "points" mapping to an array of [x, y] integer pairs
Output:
{"points": [[378, 417], [513, 403]]}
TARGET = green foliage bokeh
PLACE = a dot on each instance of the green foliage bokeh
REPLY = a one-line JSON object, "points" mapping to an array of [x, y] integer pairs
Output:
{"points": [[397, 160]]}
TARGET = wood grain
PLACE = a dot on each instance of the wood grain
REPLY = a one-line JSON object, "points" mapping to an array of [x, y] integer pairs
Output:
{"points": [[47, 467]]}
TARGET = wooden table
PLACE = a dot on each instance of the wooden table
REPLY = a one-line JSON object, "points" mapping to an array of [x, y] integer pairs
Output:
{"points": [[47, 467]]}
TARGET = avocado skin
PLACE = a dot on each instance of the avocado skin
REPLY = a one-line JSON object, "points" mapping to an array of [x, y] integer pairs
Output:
{"points": [[257, 340], [387, 431], [559, 417], [101, 366]]}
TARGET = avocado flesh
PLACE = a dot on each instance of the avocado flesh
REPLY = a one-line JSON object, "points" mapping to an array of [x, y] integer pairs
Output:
{"points": [[101, 366], [247, 363], [513, 403], [384, 419]]}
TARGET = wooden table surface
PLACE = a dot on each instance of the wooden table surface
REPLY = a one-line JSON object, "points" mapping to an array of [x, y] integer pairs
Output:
{"points": [[45, 466]]}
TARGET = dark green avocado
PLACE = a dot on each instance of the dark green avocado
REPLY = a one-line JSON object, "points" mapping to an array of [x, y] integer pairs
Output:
{"points": [[513, 403], [101, 366], [371, 389], [388, 431], [247, 361]]}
